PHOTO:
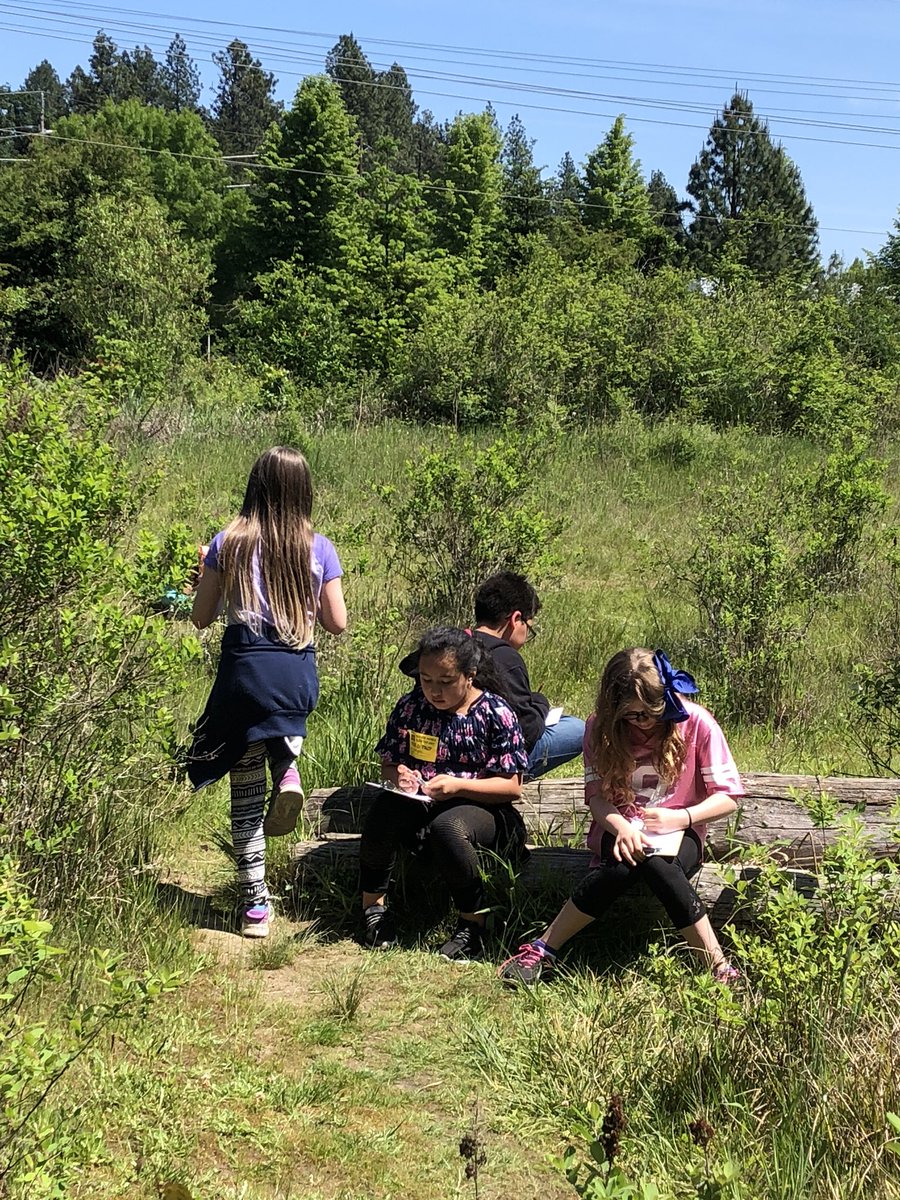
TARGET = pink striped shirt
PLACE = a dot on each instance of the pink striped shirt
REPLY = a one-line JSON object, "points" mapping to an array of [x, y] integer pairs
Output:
{"points": [[709, 770]]}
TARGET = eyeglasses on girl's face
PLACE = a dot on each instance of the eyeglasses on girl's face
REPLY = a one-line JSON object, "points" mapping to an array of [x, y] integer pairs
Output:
{"points": [[639, 716]]}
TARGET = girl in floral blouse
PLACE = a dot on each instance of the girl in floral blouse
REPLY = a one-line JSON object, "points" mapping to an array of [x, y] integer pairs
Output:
{"points": [[453, 755]]}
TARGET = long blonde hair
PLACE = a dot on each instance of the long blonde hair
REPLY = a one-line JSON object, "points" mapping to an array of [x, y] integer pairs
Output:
{"points": [[273, 533], [629, 679]]}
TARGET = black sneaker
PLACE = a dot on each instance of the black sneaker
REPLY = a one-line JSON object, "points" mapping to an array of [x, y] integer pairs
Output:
{"points": [[466, 943], [379, 931], [528, 965]]}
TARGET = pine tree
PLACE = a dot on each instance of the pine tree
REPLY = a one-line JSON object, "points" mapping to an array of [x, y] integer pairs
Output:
{"points": [[381, 102], [566, 189], [749, 203], [31, 108], [244, 106], [181, 78], [665, 244], [613, 191], [305, 203], [141, 78], [90, 90], [888, 259], [429, 146], [116, 75], [43, 78], [348, 66], [398, 111], [469, 207], [524, 204]]}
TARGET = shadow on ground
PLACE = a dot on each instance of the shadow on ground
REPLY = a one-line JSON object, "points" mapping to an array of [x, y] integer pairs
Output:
{"points": [[199, 909]]}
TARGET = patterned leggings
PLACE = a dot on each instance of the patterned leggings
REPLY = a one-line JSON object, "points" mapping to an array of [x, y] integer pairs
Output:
{"points": [[248, 810]]}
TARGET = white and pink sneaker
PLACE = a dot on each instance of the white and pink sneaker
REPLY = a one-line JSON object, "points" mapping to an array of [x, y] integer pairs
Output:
{"points": [[285, 806], [256, 920]]}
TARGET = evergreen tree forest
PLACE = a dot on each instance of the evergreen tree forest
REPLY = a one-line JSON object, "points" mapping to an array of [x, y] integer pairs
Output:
{"points": [[350, 244]]}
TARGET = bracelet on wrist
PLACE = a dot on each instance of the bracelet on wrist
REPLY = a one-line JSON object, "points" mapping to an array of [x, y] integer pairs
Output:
{"points": [[690, 824]]}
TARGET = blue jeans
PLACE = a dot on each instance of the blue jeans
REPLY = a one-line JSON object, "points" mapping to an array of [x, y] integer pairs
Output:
{"points": [[556, 745]]}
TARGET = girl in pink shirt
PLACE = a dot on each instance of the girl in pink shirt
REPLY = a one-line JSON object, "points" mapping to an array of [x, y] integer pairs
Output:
{"points": [[657, 769]]}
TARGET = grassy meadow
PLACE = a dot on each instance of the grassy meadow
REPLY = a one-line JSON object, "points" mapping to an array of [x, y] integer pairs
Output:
{"points": [[629, 499], [303, 1067]]}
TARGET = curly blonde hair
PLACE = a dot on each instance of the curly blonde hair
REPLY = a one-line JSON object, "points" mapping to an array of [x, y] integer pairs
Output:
{"points": [[629, 679]]}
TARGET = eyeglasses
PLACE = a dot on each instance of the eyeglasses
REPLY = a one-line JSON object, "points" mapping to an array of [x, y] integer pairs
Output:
{"points": [[532, 629], [638, 715]]}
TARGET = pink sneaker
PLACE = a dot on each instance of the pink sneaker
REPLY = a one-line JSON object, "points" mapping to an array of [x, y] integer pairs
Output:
{"points": [[285, 806], [532, 962]]}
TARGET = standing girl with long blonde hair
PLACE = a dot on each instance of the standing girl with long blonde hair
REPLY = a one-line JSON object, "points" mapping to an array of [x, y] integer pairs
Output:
{"points": [[657, 769], [275, 578]]}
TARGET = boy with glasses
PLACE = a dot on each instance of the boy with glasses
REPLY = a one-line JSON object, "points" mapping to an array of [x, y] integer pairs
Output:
{"points": [[505, 609]]}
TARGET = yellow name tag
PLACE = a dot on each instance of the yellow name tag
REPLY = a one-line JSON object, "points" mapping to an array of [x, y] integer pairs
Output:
{"points": [[423, 746]]}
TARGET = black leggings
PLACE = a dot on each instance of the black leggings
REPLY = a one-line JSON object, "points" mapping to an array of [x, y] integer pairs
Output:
{"points": [[667, 878], [455, 832]]}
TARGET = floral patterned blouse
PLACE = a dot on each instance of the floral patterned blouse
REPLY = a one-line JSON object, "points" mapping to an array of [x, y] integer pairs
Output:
{"points": [[487, 740]]}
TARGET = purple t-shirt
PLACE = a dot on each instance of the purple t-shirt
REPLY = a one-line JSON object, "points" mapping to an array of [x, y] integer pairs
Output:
{"points": [[325, 566]]}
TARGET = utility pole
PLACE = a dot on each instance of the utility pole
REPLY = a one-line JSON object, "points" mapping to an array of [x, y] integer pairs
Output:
{"points": [[42, 129]]}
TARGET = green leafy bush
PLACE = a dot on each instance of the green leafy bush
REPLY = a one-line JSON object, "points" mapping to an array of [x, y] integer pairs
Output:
{"points": [[465, 514], [42, 1142], [752, 599], [87, 674], [766, 558], [839, 503]]}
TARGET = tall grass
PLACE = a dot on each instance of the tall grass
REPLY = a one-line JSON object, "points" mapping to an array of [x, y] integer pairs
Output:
{"points": [[799, 1105], [631, 496]]}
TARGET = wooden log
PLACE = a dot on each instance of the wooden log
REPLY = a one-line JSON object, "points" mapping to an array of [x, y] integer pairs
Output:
{"points": [[557, 868], [770, 815]]}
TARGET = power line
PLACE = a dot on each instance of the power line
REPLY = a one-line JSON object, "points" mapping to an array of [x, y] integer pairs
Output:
{"points": [[60, 15], [310, 54], [431, 187], [669, 106], [543, 58]]}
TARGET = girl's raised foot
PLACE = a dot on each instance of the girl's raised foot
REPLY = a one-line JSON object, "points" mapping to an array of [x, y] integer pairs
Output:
{"points": [[528, 965], [285, 806]]}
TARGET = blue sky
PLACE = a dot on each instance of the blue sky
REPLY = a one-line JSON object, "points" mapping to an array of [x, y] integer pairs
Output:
{"points": [[667, 66]]}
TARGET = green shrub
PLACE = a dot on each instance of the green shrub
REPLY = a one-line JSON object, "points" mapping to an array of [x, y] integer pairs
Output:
{"points": [[42, 1143], [839, 503], [767, 557], [752, 599], [87, 674], [465, 515]]}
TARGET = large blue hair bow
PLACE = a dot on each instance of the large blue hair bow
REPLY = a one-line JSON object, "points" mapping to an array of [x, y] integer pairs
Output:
{"points": [[673, 682]]}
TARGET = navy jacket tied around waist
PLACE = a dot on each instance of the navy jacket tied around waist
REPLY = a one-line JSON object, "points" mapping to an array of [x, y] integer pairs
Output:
{"points": [[263, 689]]}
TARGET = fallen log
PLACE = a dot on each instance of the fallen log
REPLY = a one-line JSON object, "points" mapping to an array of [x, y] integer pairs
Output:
{"points": [[771, 814], [555, 869]]}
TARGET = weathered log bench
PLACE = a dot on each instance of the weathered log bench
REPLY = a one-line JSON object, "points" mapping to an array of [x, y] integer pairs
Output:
{"points": [[771, 816]]}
